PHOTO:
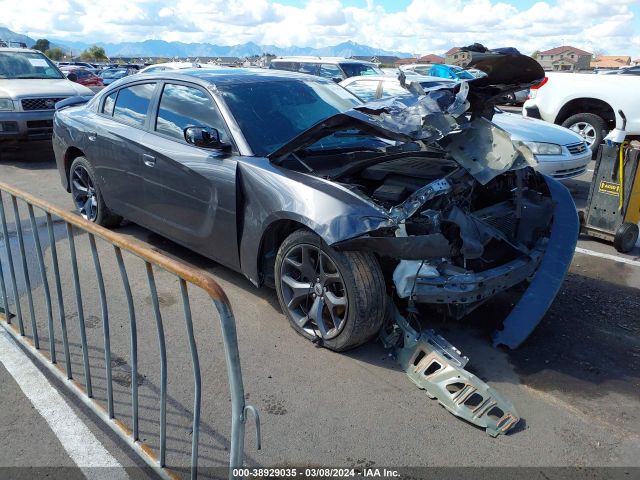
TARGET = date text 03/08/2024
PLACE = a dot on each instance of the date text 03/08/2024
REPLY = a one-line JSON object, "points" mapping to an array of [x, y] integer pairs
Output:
{"points": [[292, 472]]}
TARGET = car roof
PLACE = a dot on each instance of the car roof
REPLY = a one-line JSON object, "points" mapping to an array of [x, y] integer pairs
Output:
{"points": [[18, 49], [226, 75], [321, 59]]}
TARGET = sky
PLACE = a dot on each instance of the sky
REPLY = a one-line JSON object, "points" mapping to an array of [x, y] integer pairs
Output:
{"points": [[413, 26]]}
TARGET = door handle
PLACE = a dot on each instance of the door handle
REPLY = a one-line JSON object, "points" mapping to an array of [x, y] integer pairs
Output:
{"points": [[149, 160], [92, 136]]}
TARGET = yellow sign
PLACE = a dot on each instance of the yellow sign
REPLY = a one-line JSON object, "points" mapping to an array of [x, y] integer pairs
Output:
{"points": [[609, 188]]}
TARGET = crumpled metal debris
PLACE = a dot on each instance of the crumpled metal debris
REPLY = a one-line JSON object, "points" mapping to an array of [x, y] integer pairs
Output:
{"points": [[437, 367], [486, 150], [417, 199]]}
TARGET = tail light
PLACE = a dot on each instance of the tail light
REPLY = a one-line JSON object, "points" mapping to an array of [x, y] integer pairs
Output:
{"points": [[533, 91]]}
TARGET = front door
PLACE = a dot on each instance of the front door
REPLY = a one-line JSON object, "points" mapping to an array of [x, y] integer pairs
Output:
{"points": [[190, 192]]}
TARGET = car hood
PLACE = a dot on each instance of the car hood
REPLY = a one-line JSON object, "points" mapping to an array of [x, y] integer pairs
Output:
{"points": [[41, 88], [527, 129]]}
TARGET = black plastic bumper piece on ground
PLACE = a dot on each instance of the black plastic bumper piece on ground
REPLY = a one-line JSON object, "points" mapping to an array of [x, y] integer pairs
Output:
{"points": [[537, 299]]}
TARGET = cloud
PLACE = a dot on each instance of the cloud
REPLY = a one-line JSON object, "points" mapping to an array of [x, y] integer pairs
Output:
{"points": [[424, 26]]}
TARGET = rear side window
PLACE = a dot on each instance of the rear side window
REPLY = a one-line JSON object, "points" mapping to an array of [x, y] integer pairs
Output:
{"points": [[365, 89], [109, 103], [133, 102], [182, 106]]}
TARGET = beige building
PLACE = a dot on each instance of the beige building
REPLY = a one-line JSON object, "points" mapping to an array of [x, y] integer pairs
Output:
{"points": [[611, 61], [565, 59], [455, 56]]}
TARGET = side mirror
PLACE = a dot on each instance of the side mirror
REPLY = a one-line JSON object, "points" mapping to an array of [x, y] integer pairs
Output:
{"points": [[337, 79], [205, 137], [73, 77]]}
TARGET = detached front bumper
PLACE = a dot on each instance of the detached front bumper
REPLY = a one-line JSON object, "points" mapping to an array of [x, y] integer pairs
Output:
{"points": [[467, 288]]}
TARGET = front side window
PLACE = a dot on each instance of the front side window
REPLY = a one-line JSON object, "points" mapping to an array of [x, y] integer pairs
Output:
{"points": [[26, 65], [133, 102], [182, 106], [364, 89], [290, 66]]}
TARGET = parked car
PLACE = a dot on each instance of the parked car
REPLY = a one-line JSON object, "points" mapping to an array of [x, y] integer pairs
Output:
{"points": [[559, 152], [290, 180], [587, 104], [82, 76], [335, 68], [30, 86], [110, 75], [86, 65], [161, 67], [632, 70]]}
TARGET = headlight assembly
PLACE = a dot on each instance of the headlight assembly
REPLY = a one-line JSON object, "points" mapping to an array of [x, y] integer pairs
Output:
{"points": [[6, 105], [540, 148]]}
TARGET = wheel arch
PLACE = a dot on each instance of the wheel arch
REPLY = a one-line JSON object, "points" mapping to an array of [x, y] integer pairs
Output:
{"points": [[587, 105], [272, 238], [69, 156]]}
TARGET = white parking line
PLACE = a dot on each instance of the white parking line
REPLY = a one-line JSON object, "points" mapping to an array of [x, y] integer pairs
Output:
{"points": [[80, 444], [593, 253]]}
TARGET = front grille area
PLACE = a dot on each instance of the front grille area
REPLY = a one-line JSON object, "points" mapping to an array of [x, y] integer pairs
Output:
{"points": [[577, 148], [39, 128], [45, 103]]}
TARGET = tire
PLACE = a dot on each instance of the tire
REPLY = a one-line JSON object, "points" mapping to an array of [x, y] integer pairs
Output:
{"points": [[589, 126], [626, 237], [350, 296], [89, 201]]}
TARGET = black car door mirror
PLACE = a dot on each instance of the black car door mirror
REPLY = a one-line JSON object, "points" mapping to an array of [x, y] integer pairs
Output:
{"points": [[73, 77], [205, 137]]}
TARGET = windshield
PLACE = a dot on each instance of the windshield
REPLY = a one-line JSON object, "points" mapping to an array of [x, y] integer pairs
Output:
{"points": [[358, 69], [23, 65], [271, 113]]}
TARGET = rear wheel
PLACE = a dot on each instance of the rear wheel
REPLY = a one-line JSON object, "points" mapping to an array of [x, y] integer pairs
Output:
{"points": [[87, 196], [589, 126], [335, 298]]}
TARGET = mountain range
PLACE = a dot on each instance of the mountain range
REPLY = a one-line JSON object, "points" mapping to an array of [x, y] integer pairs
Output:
{"points": [[161, 48]]}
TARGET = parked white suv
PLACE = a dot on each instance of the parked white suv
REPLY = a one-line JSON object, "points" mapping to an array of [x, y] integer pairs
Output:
{"points": [[587, 104], [30, 86]]}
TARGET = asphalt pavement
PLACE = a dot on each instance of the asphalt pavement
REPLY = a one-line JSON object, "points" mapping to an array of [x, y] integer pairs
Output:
{"points": [[575, 382]]}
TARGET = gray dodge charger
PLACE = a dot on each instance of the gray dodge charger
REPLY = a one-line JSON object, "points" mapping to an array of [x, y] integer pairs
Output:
{"points": [[345, 208]]}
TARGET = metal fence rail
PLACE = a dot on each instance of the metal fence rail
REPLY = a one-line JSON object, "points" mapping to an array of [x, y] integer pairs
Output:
{"points": [[13, 319]]}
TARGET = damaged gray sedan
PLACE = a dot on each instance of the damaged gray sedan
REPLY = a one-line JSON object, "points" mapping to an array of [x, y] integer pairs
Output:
{"points": [[341, 206]]}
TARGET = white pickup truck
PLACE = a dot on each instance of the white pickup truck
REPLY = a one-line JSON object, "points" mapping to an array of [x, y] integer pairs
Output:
{"points": [[587, 104]]}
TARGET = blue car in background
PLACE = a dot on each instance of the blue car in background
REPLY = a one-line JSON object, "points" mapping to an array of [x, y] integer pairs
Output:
{"points": [[452, 72]]}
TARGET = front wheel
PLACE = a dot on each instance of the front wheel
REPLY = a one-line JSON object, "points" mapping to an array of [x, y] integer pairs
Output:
{"points": [[589, 126], [87, 196], [335, 298]]}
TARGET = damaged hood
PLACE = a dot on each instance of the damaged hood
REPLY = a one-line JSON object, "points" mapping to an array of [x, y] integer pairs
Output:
{"points": [[438, 118], [403, 119]]}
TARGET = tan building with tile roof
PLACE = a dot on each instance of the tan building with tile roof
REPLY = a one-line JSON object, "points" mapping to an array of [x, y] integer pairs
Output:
{"points": [[611, 61], [565, 58]]}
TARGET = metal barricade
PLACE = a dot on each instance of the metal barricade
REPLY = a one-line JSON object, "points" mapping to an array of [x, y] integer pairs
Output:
{"points": [[15, 322]]}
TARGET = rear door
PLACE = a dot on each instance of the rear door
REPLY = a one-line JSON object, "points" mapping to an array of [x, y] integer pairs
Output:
{"points": [[190, 192], [119, 129]]}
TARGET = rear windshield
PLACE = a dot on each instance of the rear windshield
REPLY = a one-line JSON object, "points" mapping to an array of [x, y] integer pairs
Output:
{"points": [[25, 65], [271, 114]]}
